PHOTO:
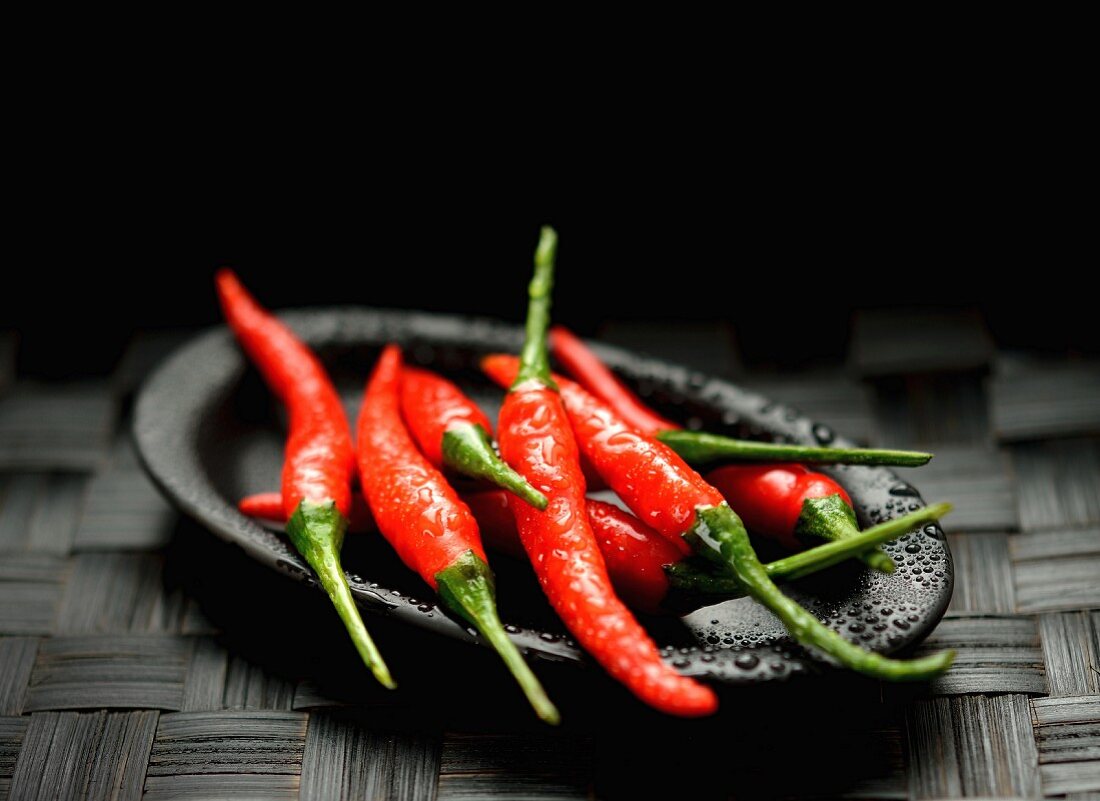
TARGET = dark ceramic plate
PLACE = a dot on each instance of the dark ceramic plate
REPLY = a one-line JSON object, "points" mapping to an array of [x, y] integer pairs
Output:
{"points": [[209, 432]]}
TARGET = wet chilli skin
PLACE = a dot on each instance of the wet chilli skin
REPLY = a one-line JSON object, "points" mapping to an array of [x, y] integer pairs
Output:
{"points": [[789, 502], [453, 432], [429, 526], [662, 490], [548, 427], [318, 461], [780, 500], [535, 438]]}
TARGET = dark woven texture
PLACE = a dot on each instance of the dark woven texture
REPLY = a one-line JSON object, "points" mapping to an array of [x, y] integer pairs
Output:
{"points": [[141, 656]]}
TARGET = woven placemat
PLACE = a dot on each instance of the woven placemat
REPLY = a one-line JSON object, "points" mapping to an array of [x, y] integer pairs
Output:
{"points": [[139, 656]]}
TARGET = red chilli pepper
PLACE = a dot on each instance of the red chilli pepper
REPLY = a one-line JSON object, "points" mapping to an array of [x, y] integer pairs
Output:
{"points": [[585, 366], [318, 461], [431, 529], [535, 438], [769, 499], [789, 502], [699, 446], [453, 432], [664, 492]]}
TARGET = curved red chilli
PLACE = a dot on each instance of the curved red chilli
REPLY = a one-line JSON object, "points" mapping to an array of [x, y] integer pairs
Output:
{"points": [[430, 405], [634, 554], [319, 457], [593, 375], [536, 440], [768, 497], [657, 485], [415, 508]]}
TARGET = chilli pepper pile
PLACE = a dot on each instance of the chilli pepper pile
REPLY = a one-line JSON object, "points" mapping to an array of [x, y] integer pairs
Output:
{"points": [[685, 536]]}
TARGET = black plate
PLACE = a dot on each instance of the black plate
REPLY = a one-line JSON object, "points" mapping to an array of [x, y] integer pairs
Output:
{"points": [[208, 432]]}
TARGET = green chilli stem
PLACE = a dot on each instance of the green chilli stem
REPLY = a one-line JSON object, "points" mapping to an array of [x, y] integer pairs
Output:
{"points": [[467, 449], [837, 550], [694, 579], [719, 535], [467, 588], [317, 531], [689, 577], [699, 447], [534, 359], [831, 518]]}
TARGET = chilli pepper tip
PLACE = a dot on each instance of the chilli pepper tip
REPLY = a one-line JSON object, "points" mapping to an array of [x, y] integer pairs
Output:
{"points": [[317, 531], [419, 513], [466, 586], [537, 440], [317, 466]]}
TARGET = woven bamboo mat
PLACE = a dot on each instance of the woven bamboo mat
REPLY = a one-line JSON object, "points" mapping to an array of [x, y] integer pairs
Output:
{"points": [[140, 657]]}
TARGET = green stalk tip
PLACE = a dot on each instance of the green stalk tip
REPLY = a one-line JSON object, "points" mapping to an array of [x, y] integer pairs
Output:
{"points": [[534, 359], [835, 551], [699, 447], [547, 250], [928, 667], [936, 510], [317, 531], [831, 518], [719, 535], [467, 588], [467, 449]]}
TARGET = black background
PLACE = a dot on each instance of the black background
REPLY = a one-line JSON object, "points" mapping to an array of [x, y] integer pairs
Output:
{"points": [[783, 227]]}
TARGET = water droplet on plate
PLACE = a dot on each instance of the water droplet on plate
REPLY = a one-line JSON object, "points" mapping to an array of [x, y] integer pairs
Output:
{"points": [[823, 434], [747, 661], [905, 490]]}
